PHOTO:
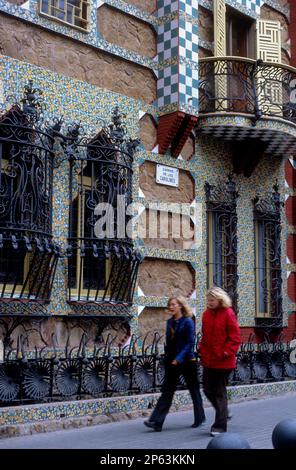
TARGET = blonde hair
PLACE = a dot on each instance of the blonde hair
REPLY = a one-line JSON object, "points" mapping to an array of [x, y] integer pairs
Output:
{"points": [[185, 309], [221, 295]]}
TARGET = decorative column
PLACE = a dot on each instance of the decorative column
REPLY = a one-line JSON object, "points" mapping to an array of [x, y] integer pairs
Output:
{"points": [[177, 50]]}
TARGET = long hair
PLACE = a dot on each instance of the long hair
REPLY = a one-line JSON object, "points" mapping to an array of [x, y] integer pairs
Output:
{"points": [[221, 295], [185, 309]]}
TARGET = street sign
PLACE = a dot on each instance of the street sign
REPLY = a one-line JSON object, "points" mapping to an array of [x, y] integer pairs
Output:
{"points": [[167, 175]]}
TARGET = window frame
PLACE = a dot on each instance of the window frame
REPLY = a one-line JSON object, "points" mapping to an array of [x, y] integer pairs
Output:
{"points": [[85, 293], [63, 21]]}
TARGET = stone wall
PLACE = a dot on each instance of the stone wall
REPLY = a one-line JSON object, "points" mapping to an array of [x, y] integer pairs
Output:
{"points": [[188, 149], [63, 55], [158, 192], [166, 278], [39, 333], [205, 24], [152, 320], [153, 236], [126, 31], [148, 132], [145, 5]]}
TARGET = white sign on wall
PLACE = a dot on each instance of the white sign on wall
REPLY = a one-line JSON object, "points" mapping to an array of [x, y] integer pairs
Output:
{"points": [[167, 175]]}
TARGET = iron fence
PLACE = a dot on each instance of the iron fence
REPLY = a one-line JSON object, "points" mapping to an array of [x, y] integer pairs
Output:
{"points": [[81, 372]]}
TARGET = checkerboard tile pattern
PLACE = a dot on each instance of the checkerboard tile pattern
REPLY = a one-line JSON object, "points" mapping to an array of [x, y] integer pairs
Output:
{"points": [[165, 7], [167, 90], [188, 40], [188, 85], [253, 5], [167, 40], [190, 7], [178, 44]]}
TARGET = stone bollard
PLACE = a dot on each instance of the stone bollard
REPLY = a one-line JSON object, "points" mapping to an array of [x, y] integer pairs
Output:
{"points": [[284, 434], [228, 440]]}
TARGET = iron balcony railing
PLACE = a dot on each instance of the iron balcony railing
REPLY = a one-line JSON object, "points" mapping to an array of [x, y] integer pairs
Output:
{"points": [[252, 87]]}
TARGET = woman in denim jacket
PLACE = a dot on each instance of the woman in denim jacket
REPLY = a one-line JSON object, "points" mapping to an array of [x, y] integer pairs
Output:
{"points": [[179, 359]]}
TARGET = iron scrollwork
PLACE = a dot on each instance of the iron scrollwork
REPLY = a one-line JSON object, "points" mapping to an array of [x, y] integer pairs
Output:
{"points": [[28, 256], [246, 86], [222, 237], [267, 219], [102, 263]]}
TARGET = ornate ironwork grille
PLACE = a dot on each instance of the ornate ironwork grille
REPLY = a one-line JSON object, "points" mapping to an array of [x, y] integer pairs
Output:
{"points": [[222, 237], [243, 85], [73, 12], [267, 220], [102, 264], [28, 257]]}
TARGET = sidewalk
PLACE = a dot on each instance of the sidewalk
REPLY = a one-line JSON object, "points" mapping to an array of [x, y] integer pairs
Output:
{"points": [[254, 420]]}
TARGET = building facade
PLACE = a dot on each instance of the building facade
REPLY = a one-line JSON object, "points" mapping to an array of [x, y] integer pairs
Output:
{"points": [[207, 88]]}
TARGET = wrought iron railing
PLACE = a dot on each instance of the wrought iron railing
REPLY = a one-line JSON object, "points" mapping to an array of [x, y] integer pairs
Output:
{"points": [[102, 262], [28, 256], [115, 371], [252, 87], [267, 220], [222, 237]]}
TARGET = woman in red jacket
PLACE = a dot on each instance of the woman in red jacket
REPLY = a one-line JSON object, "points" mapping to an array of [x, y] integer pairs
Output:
{"points": [[218, 347]]}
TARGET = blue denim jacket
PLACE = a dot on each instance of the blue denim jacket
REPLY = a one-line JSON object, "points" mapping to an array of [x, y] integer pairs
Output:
{"points": [[184, 338]]}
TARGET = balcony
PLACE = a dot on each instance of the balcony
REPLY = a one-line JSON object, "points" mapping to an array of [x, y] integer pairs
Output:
{"points": [[247, 100]]}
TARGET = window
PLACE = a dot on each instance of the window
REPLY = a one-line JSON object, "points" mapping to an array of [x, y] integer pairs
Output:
{"points": [[87, 267], [28, 258], [268, 257], [240, 35], [73, 12], [222, 238], [102, 263]]}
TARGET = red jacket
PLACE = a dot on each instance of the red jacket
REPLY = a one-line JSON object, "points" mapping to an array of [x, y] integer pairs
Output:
{"points": [[220, 339]]}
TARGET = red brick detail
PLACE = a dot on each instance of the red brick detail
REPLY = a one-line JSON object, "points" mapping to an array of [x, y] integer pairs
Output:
{"points": [[246, 333], [256, 335], [291, 248], [292, 31], [291, 210], [292, 286], [290, 174], [186, 127], [173, 131]]}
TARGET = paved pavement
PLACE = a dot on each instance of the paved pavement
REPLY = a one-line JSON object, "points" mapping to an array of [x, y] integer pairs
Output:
{"points": [[254, 420]]}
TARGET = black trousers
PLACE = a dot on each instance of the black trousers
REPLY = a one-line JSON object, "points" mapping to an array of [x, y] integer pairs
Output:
{"points": [[172, 373], [214, 387]]}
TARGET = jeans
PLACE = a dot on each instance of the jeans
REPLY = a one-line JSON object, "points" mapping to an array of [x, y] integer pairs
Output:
{"points": [[172, 373], [214, 387]]}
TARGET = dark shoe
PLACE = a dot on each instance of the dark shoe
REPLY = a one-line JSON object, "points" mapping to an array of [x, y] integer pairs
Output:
{"points": [[152, 425], [197, 425]]}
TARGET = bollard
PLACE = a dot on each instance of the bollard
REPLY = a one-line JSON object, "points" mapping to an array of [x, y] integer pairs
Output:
{"points": [[228, 440], [284, 434]]}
